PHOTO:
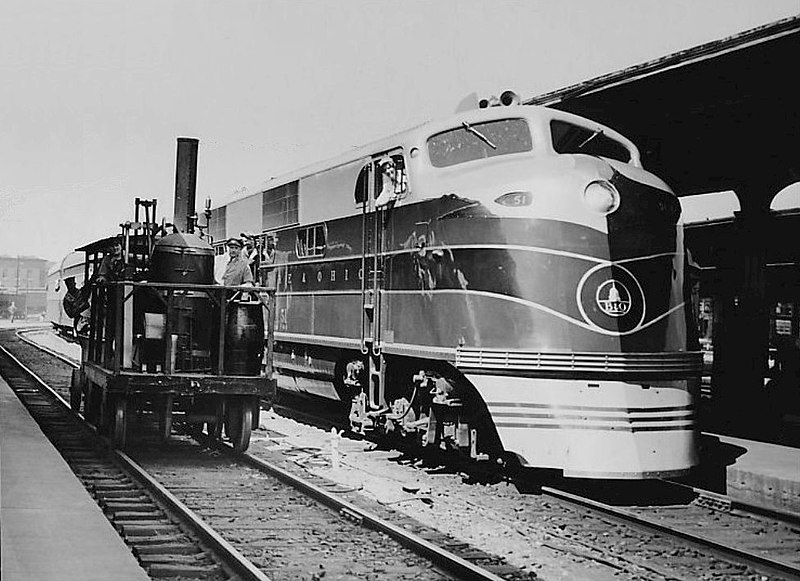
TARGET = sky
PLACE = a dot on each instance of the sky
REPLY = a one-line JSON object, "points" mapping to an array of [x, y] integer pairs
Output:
{"points": [[96, 93]]}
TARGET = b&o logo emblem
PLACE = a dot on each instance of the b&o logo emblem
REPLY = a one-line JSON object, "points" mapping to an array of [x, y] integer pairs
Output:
{"points": [[613, 298]]}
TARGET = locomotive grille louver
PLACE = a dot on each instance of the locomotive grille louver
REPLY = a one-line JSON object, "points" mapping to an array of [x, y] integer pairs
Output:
{"points": [[672, 364]]}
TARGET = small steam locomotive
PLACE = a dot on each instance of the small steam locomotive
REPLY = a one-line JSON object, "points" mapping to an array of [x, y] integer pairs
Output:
{"points": [[163, 340]]}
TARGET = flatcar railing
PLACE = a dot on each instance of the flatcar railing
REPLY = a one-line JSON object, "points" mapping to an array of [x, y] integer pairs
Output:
{"points": [[111, 340]]}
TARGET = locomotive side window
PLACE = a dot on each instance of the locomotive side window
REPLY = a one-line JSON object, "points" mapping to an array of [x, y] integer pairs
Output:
{"points": [[571, 138], [479, 141], [279, 206], [310, 242]]}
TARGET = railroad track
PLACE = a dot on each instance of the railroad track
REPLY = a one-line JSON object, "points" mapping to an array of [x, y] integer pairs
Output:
{"points": [[276, 524], [742, 540], [167, 539], [720, 538], [666, 533]]}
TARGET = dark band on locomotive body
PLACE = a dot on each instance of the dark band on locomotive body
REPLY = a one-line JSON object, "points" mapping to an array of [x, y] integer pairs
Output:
{"points": [[522, 293]]}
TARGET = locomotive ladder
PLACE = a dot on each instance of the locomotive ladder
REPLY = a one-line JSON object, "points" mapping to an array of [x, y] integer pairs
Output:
{"points": [[372, 269]]}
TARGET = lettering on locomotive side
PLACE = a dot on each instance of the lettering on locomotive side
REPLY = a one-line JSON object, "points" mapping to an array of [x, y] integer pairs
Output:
{"points": [[285, 277]]}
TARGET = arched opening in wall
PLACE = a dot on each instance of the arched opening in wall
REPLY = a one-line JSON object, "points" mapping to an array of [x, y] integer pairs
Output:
{"points": [[783, 280]]}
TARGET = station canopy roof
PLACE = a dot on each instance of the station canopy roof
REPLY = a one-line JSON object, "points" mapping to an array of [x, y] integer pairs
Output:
{"points": [[719, 116]]}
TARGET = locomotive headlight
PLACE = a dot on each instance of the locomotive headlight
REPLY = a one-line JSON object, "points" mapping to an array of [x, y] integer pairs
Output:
{"points": [[601, 196], [515, 199]]}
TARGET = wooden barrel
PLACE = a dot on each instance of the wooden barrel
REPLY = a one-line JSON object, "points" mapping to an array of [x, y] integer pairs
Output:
{"points": [[244, 338]]}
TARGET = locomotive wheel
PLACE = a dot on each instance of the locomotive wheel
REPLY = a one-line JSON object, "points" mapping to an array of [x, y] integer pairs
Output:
{"points": [[233, 419], [165, 418], [75, 391], [243, 412], [120, 422], [214, 430]]}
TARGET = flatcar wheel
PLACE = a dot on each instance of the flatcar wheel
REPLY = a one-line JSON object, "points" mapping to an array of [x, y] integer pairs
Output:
{"points": [[75, 389], [241, 438], [120, 422]]}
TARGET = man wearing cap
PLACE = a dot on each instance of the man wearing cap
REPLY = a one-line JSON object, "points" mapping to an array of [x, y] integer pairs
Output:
{"points": [[237, 272], [112, 266], [250, 252]]}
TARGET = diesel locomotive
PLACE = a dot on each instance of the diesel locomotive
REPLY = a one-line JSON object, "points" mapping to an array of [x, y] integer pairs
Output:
{"points": [[508, 283]]}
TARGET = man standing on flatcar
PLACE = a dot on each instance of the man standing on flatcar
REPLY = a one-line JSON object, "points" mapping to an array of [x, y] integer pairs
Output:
{"points": [[250, 251], [237, 272], [112, 267]]}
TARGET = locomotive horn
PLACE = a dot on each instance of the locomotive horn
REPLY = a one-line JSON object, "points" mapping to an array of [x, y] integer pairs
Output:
{"points": [[509, 98], [185, 184]]}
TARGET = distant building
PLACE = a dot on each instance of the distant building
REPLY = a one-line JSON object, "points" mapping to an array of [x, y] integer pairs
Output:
{"points": [[23, 281]]}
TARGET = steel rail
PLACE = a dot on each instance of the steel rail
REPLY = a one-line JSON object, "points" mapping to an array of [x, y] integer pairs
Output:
{"points": [[232, 558], [788, 517], [441, 557], [760, 562], [21, 335], [41, 382]]}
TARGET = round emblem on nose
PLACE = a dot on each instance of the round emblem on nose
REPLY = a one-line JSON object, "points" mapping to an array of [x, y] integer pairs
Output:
{"points": [[610, 298], [613, 298]]}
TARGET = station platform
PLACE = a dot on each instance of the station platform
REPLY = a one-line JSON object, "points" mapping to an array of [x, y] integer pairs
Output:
{"points": [[50, 528], [751, 471]]}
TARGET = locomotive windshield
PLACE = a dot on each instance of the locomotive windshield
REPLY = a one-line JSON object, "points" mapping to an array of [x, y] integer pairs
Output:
{"points": [[571, 138], [481, 140]]}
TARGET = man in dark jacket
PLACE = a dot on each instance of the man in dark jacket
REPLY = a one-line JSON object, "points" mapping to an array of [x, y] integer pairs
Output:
{"points": [[76, 305], [113, 265]]}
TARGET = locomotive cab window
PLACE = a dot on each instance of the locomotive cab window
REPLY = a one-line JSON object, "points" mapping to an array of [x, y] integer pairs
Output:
{"points": [[388, 173], [570, 138], [479, 141], [310, 242]]}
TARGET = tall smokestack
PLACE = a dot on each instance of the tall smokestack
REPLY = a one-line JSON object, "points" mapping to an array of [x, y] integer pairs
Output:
{"points": [[185, 183]]}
